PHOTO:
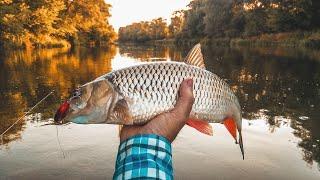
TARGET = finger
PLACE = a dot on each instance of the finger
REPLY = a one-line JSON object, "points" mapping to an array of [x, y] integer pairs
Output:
{"points": [[185, 99]]}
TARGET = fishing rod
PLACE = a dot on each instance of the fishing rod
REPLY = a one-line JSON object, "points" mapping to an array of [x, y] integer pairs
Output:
{"points": [[25, 114]]}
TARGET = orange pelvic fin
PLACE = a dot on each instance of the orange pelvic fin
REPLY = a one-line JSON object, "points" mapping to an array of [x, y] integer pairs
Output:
{"points": [[230, 124], [200, 125]]}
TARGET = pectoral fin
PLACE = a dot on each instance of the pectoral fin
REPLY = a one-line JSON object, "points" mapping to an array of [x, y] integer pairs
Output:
{"points": [[200, 125], [121, 113]]}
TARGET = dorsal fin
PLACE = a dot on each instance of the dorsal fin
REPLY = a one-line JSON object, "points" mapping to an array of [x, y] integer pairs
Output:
{"points": [[195, 57]]}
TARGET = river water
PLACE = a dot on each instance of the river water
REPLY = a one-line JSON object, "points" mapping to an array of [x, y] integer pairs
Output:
{"points": [[278, 89]]}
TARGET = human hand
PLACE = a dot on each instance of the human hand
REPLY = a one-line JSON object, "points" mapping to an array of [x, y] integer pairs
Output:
{"points": [[166, 124]]}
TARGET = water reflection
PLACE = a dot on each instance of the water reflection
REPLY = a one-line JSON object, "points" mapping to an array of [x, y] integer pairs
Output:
{"points": [[279, 86], [27, 76], [285, 83], [151, 52]]}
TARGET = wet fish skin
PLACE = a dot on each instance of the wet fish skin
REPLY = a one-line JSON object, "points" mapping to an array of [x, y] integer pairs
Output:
{"points": [[152, 88]]}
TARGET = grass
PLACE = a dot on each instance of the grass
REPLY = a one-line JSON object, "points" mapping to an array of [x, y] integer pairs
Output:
{"points": [[292, 39], [310, 39], [32, 42]]}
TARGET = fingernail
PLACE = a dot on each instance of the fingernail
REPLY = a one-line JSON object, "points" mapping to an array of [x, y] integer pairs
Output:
{"points": [[190, 82]]}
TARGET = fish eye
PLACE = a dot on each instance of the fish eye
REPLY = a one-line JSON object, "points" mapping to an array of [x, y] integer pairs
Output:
{"points": [[76, 93]]}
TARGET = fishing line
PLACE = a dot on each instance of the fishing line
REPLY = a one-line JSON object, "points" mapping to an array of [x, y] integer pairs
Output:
{"points": [[60, 143], [25, 114]]}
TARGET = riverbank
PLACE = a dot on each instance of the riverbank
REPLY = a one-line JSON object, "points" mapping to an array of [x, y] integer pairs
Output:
{"points": [[52, 44], [30, 43], [290, 39]]}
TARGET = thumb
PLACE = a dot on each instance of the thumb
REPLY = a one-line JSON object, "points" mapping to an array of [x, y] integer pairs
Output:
{"points": [[185, 99]]}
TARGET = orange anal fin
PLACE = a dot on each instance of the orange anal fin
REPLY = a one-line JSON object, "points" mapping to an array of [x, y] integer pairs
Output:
{"points": [[200, 125], [230, 124]]}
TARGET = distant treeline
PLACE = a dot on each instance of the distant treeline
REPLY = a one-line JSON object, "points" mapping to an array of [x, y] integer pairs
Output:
{"points": [[144, 31], [229, 19], [50, 23]]}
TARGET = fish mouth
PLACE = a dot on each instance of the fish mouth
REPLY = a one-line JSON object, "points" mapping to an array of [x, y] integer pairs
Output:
{"points": [[65, 107], [62, 112]]}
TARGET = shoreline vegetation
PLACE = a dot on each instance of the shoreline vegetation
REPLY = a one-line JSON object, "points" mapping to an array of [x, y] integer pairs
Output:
{"points": [[293, 39], [26, 24], [233, 23]]}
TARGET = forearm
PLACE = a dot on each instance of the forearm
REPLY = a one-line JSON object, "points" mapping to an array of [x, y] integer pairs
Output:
{"points": [[144, 156]]}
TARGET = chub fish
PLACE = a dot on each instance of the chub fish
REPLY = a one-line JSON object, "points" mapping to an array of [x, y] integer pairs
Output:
{"points": [[134, 95]]}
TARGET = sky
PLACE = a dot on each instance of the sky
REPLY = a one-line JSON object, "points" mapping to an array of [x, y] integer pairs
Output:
{"points": [[125, 12]]}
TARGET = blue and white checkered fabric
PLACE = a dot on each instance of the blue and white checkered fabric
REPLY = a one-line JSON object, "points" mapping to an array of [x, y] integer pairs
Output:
{"points": [[145, 156]]}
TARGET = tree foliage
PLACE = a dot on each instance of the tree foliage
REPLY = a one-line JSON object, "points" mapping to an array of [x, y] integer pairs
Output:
{"points": [[146, 30], [194, 20], [288, 15], [218, 17], [235, 18], [54, 22], [176, 24]]}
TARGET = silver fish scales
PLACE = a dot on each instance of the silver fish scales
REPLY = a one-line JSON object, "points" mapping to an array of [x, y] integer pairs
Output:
{"points": [[152, 88]]}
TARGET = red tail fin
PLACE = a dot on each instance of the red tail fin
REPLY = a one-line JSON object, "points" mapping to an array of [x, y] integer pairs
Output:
{"points": [[231, 125]]}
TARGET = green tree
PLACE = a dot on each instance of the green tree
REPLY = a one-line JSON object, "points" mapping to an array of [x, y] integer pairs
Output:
{"points": [[229, 18], [194, 20], [286, 15], [175, 26], [139, 32], [218, 15], [315, 22], [238, 20], [256, 17], [158, 28]]}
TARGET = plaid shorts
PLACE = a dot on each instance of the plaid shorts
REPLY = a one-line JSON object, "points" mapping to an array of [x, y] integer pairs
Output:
{"points": [[145, 156]]}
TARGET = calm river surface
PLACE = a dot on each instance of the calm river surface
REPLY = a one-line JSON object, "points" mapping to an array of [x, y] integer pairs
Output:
{"points": [[278, 89]]}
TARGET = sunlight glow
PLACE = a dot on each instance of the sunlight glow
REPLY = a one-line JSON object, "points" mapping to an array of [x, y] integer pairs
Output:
{"points": [[119, 62], [125, 12]]}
